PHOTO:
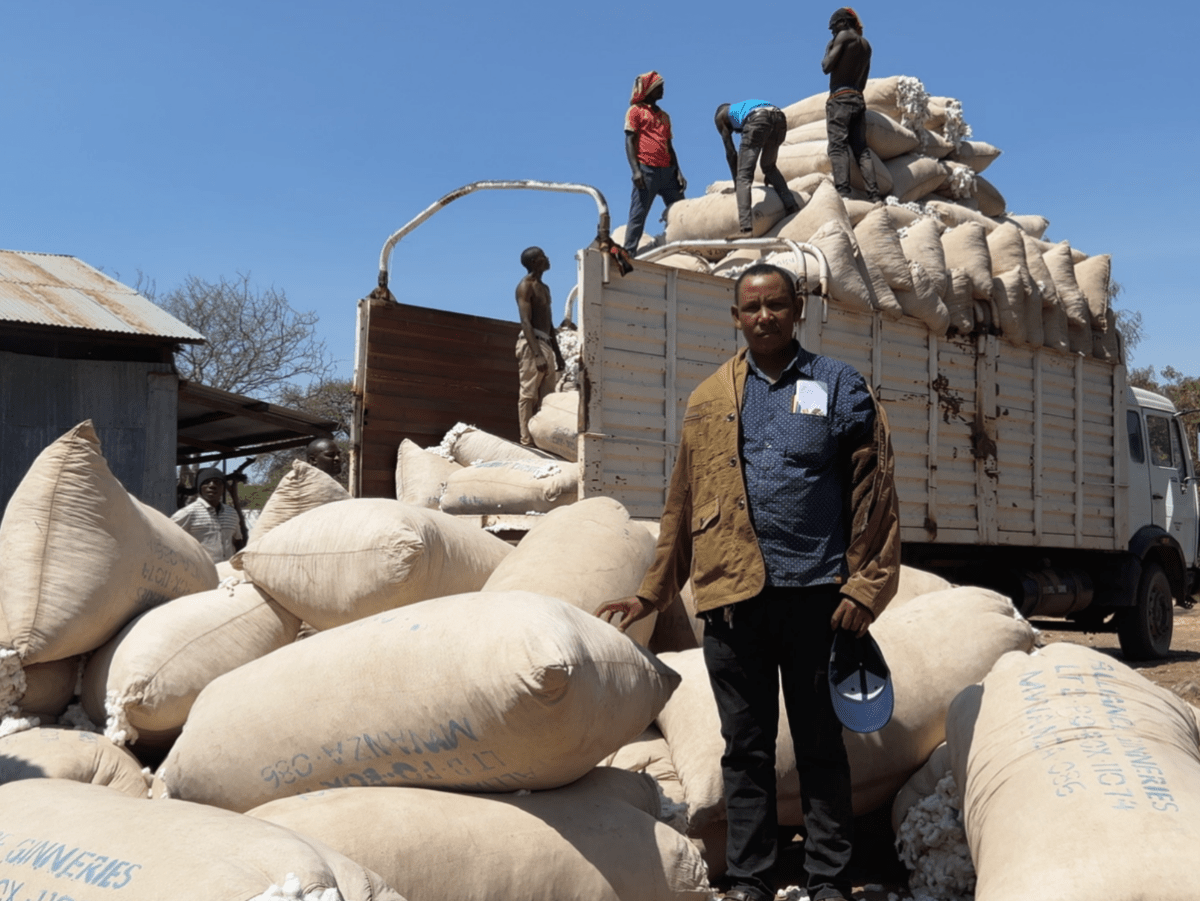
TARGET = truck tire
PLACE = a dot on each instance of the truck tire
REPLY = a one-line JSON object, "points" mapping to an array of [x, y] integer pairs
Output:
{"points": [[1145, 629]]}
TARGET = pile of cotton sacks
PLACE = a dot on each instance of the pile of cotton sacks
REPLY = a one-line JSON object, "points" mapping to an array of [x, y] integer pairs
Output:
{"points": [[943, 248]]}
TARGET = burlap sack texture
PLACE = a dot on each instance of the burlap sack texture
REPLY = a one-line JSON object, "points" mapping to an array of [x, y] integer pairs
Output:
{"points": [[926, 161]]}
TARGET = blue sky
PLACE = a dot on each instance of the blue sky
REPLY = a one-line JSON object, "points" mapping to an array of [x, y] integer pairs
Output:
{"points": [[288, 140]]}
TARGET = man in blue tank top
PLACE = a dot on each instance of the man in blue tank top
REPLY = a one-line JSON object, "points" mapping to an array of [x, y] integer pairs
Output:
{"points": [[763, 127]]}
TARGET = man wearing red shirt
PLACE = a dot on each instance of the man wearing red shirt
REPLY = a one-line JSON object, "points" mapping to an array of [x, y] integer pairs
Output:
{"points": [[651, 155]]}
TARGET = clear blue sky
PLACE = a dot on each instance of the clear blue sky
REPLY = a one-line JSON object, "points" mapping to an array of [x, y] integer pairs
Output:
{"points": [[289, 140]]}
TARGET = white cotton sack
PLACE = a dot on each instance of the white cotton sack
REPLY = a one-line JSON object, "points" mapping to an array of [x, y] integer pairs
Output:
{"points": [[142, 683], [421, 475], [65, 840], [57, 753], [1063, 757], [82, 556], [586, 554], [351, 559], [555, 426], [303, 488], [511, 486], [486, 692], [597, 839], [50, 686]]}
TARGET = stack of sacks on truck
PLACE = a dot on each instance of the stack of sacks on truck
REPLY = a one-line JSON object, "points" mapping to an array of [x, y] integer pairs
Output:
{"points": [[473, 472], [971, 627], [943, 249], [81, 558], [1051, 762]]}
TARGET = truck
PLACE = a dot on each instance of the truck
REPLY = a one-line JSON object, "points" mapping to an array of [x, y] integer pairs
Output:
{"points": [[1039, 473]]}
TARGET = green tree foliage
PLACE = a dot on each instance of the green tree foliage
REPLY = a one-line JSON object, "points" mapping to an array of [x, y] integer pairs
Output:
{"points": [[1183, 390]]}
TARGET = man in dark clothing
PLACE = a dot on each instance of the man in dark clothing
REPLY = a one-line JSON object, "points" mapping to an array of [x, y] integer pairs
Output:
{"points": [[847, 62], [763, 128], [651, 155], [782, 510]]}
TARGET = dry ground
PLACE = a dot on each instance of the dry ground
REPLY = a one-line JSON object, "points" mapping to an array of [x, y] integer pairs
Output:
{"points": [[878, 872]]}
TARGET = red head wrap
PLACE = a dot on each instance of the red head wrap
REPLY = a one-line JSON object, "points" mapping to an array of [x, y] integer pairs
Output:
{"points": [[642, 86]]}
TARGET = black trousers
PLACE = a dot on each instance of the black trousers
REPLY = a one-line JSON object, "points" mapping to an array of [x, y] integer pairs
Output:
{"points": [[782, 636], [846, 127], [762, 134]]}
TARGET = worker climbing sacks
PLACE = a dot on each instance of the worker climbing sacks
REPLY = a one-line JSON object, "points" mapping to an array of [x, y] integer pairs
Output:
{"points": [[928, 168]]}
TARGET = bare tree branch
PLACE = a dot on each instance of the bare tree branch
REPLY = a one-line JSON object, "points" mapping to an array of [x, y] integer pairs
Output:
{"points": [[257, 344]]}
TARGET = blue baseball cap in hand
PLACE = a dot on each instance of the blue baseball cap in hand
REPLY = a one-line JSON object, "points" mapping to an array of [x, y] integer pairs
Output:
{"points": [[860, 683]]}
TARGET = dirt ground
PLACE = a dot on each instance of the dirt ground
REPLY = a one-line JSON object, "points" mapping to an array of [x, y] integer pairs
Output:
{"points": [[877, 871]]}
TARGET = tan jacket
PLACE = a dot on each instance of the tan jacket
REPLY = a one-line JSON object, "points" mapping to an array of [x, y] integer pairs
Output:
{"points": [[706, 533]]}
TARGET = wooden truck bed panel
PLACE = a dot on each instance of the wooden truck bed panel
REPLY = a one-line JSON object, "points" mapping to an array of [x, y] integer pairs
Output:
{"points": [[986, 433]]}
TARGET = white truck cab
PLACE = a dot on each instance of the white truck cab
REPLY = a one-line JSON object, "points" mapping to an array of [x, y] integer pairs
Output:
{"points": [[1162, 477]]}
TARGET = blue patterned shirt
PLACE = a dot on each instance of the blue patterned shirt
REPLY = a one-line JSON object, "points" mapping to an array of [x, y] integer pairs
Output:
{"points": [[797, 435]]}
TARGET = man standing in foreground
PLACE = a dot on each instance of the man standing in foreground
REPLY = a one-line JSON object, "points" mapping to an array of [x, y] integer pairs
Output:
{"points": [[847, 62], [763, 128], [538, 355], [214, 524], [782, 509], [651, 156]]}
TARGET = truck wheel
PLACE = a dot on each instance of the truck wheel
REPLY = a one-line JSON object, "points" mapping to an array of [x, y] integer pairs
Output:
{"points": [[1145, 629]]}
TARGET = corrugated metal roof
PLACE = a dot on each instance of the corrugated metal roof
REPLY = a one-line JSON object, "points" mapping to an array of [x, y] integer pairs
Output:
{"points": [[65, 292]]}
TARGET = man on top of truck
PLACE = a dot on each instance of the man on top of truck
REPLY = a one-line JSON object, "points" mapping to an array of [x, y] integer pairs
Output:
{"points": [[537, 348], [651, 155], [763, 127], [782, 509], [847, 62]]}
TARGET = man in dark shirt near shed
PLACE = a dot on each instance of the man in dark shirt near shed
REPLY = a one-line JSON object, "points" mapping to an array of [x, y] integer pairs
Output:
{"points": [[782, 510]]}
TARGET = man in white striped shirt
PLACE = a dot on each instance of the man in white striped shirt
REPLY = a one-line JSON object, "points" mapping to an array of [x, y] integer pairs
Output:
{"points": [[213, 523]]}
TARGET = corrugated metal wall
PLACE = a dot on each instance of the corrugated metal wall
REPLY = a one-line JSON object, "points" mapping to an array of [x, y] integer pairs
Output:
{"points": [[426, 371], [133, 406]]}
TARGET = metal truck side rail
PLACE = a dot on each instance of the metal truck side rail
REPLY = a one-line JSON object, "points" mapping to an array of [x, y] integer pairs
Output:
{"points": [[796, 247], [602, 226]]}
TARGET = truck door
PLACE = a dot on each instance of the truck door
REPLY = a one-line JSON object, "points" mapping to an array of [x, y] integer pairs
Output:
{"points": [[1172, 485]]}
